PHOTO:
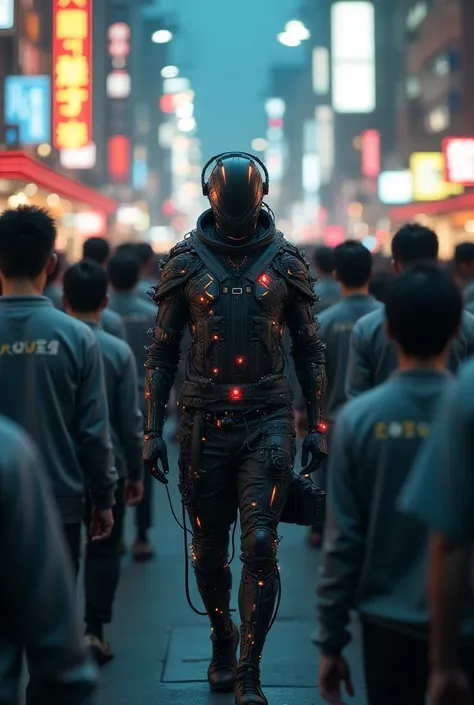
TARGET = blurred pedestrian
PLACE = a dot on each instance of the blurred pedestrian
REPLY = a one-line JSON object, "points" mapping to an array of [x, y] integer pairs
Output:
{"points": [[375, 557], [38, 614], [97, 249], [327, 288], [373, 357], [85, 297], [380, 285], [148, 269], [353, 270], [440, 493], [138, 317], [464, 269], [53, 282], [52, 378]]}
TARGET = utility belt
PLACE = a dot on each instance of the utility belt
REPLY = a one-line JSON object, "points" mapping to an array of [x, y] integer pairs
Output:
{"points": [[269, 393]]}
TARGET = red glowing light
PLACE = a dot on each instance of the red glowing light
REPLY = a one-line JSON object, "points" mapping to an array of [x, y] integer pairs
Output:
{"points": [[263, 279], [240, 360], [322, 427], [235, 393]]}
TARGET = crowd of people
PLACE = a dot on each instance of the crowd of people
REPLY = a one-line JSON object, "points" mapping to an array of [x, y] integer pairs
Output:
{"points": [[399, 416]]}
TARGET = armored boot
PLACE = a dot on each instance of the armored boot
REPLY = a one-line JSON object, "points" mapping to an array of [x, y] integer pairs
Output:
{"points": [[257, 596], [215, 589]]}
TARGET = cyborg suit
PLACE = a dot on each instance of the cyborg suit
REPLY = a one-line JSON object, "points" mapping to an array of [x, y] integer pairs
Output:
{"points": [[235, 282]]}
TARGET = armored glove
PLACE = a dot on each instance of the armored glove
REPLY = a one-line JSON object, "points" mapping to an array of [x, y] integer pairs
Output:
{"points": [[316, 444], [155, 451]]}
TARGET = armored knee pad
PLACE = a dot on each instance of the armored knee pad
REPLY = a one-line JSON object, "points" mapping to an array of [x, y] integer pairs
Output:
{"points": [[259, 547]]}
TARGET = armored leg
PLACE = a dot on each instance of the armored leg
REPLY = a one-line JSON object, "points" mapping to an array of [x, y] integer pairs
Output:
{"points": [[209, 494], [263, 487]]}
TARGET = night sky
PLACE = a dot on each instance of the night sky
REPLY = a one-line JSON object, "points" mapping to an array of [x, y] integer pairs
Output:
{"points": [[226, 48]]}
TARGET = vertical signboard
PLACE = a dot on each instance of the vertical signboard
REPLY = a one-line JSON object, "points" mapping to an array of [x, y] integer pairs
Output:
{"points": [[72, 73], [28, 105], [353, 57], [371, 153], [7, 15]]}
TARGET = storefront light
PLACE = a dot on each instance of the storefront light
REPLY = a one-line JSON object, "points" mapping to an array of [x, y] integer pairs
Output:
{"points": [[44, 150], [469, 227], [31, 189], [53, 200]]}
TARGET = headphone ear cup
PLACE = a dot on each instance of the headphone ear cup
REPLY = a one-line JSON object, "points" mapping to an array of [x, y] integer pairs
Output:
{"points": [[205, 190], [265, 189]]}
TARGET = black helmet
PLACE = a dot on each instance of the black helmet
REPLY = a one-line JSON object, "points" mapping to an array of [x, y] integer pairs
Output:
{"points": [[235, 191]]}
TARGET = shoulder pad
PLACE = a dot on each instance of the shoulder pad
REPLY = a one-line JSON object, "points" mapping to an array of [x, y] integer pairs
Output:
{"points": [[176, 271], [185, 245], [295, 270]]}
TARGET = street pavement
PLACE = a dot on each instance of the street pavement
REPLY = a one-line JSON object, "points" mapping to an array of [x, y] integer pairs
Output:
{"points": [[162, 648]]}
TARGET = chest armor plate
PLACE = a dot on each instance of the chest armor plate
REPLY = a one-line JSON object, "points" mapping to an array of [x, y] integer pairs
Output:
{"points": [[236, 325]]}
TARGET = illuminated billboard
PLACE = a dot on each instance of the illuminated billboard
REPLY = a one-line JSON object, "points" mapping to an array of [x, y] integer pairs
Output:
{"points": [[395, 187], [7, 15], [353, 57], [28, 105], [427, 169], [72, 73], [371, 153], [459, 160], [320, 70]]}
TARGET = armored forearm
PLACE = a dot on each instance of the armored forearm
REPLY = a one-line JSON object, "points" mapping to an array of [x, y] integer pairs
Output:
{"points": [[158, 384], [312, 380]]}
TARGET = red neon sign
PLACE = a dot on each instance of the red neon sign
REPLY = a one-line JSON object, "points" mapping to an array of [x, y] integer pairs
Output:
{"points": [[459, 160], [72, 73], [119, 158], [371, 154]]}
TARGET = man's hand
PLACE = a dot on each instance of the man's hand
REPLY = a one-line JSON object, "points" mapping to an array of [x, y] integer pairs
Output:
{"points": [[155, 451], [102, 523], [316, 444], [333, 671], [449, 688], [133, 493]]}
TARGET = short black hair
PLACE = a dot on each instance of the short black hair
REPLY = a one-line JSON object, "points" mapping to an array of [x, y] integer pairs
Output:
{"points": [[85, 286], [380, 284], [424, 309], [323, 259], [414, 242], [464, 252], [145, 253], [97, 249], [124, 270], [352, 263], [27, 236]]}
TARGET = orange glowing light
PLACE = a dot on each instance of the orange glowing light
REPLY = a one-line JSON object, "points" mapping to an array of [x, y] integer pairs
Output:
{"points": [[72, 80], [264, 279], [215, 337], [272, 498]]}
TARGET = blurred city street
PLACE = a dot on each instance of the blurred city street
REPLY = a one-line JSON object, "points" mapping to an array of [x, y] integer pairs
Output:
{"points": [[162, 648]]}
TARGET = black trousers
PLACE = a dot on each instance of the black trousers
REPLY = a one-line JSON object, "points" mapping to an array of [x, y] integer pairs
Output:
{"points": [[245, 464], [397, 668], [102, 565], [144, 511], [72, 534]]}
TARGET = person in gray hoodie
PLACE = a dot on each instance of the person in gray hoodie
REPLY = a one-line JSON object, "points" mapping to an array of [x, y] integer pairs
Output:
{"points": [[327, 288], [85, 297], [97, 249], [38, 614], [139, 317], [373, 357], [375, 557], [353, 270], [52, 378], [440, 493]]}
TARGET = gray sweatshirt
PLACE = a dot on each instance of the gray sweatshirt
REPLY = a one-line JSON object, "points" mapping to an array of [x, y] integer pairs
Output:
{"points": [[373, 356], [329, 292], [440, 490], [112, 323], [38, 612], [126, 420], [336, 325], [375, 557], [138, 317], [53, 385]]}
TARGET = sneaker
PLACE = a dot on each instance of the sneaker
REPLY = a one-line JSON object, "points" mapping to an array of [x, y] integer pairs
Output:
{"points": [[222, 670], [248, 690], [100, 650], [142, 551]]}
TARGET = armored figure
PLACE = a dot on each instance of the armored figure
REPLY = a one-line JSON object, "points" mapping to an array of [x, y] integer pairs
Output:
{"points": [[235, 282]]}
